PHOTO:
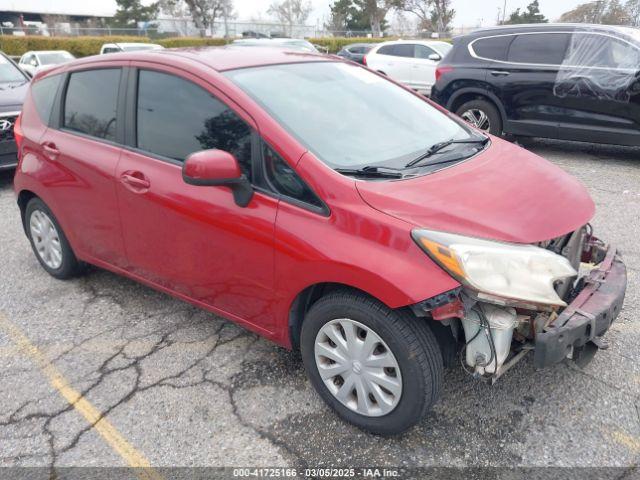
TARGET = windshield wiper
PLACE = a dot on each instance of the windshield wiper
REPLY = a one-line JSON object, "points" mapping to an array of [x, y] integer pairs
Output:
{"points": [[371, 171], [435, 148]]}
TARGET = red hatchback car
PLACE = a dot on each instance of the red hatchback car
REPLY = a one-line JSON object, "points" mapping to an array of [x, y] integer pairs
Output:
{"points": [[322, 206]]}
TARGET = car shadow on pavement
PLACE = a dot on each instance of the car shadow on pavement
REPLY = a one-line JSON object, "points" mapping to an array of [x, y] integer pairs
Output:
{"points": [[605, 152], [6, 179]]}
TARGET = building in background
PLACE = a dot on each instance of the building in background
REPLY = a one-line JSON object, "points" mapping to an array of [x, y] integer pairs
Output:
{"points": [[51, 17]]}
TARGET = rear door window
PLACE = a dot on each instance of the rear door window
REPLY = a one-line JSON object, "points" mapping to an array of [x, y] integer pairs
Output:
{"points": [[91, 102], [386, 50], [404, 50], [540, 49], [176, 117]]}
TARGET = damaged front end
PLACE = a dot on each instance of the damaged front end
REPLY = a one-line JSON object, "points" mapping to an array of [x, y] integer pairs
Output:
{"points": [[556, 298]]}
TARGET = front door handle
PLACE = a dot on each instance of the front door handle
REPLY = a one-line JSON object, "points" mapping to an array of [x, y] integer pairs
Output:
{"points": [[499, 73], [135, 181], [50, 151]]}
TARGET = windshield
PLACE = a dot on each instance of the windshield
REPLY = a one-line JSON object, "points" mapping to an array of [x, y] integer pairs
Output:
{"points": [[9, 73], [287, 44], [133, 48], [346, 115], [54, 58]]}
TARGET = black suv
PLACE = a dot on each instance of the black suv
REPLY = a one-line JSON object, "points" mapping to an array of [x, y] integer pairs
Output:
{"points": [[571, 82], [13, 88]]}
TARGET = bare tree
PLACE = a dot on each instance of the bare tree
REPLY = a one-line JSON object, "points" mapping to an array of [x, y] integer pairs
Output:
{"points": [[633, 11], [422, 10], [376, 11], [205, 12], [442, 15], [435, 15], [590, 12], [290, 12]]}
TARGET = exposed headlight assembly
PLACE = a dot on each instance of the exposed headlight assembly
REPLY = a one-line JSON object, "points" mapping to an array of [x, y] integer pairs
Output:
{"points": [[505, 273]]}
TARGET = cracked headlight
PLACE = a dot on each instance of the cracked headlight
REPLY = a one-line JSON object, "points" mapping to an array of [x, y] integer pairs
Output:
{"points": [[516, 273]]}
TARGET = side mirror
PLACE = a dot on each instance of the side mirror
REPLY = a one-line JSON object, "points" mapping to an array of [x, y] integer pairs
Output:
{"points": [[214, 168], [435, 57]]}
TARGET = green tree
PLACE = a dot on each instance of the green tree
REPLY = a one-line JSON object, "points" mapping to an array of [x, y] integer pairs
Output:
{"points": [[352, 15], [530, 15], [375, 12], [130, 12]]}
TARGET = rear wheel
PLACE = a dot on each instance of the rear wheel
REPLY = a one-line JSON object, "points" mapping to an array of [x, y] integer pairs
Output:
{"points": [[482, 115], [48, 241], [379, 369]]}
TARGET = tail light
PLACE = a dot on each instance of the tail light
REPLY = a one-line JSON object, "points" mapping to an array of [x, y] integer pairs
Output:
{"points": [[18, 136], [364, 60], [441, 70]]}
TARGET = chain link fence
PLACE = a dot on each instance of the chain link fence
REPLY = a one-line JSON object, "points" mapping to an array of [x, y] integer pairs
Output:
{"points": [[184, 27]]}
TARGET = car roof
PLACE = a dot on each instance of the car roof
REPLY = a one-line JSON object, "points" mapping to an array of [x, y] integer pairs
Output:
{"points": [[418, 41], [361, 44], [553, 27], [219, 58]]}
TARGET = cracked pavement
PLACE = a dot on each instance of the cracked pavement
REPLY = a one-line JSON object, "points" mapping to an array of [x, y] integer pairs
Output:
{"points": [[187, 388]]}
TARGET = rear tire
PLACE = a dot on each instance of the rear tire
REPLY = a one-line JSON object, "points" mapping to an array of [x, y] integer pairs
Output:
{"points": [[48, 241], [483, 115], [404, 357]]}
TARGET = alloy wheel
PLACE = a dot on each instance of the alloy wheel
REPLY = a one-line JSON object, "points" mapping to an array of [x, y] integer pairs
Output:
{"points": [[46, 239], [477, 118], [358, 367]]}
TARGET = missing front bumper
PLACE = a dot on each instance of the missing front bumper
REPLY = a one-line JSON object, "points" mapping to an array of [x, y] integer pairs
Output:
{"points": [[589, 315]]}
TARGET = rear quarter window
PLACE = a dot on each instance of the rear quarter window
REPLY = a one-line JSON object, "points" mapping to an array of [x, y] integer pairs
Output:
{"points": [[43, 93], [493, 48]]}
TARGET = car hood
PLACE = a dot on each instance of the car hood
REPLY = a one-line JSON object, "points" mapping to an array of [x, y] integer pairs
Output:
{"points": [[504, 193], [12, 95]]}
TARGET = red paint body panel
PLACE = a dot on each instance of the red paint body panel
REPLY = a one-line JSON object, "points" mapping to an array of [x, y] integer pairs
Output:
{"points": [[133, 214], [505, 193]]}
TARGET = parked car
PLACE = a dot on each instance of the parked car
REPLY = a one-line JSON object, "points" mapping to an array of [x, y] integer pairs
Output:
{"points": [[224, 177], [571, 82], [356, 51], [33, 61], [411, 62], [128, 47], [285, 43], [13, 88]]}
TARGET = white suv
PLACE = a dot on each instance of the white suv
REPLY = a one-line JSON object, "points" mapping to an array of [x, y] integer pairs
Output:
{"points": [[412, 62]]}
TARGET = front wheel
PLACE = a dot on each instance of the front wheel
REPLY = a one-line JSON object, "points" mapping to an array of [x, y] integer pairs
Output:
{"points": [[378, 368], [483, 115]]}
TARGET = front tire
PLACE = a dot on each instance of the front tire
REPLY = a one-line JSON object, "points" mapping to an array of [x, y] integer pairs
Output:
{"points": [[48, 241], [483, 115], [379, 369]]}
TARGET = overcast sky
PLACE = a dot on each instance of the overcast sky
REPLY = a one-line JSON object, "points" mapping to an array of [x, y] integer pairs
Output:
{"points": [[468, 12]]}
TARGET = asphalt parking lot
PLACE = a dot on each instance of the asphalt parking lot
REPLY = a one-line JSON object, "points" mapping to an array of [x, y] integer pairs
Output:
{"points": [[167, 384]]}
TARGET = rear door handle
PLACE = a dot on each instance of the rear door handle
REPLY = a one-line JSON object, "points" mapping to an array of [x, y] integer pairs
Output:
{"points": [[135, 181], [50, 150], [499, 73]]}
